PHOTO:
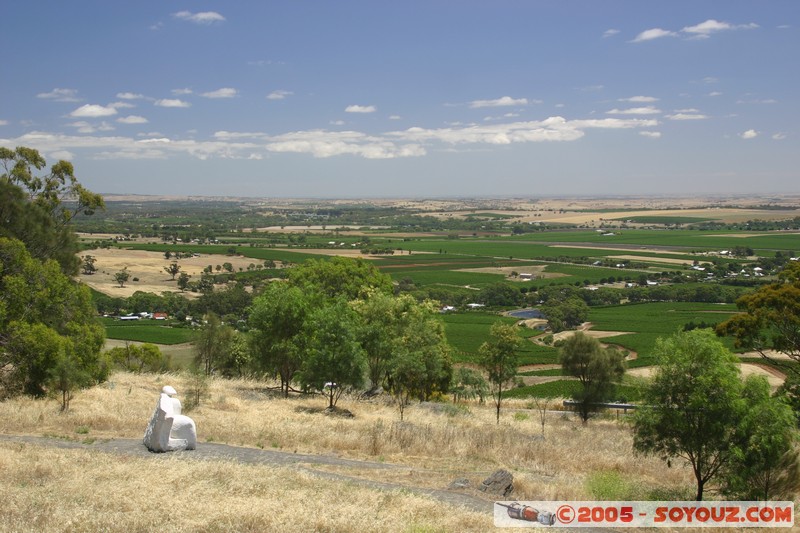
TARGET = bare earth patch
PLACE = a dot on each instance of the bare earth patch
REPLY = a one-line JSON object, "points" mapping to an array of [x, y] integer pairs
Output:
{"points": [[149, 268], [774, 377], [666, 260], [537, 271]]}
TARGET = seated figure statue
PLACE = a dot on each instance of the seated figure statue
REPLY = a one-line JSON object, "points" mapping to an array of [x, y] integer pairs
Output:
{"points": [[169, 430]]}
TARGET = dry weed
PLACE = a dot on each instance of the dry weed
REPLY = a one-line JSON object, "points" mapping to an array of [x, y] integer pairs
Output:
{"points": [[437, 443]]}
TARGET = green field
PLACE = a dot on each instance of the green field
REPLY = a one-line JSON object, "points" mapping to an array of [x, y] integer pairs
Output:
{"points": [[467, 331], [646, 322], [153, 331]]}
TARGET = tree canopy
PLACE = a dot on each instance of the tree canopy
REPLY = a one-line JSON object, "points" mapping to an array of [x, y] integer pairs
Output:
{"points": [[770, 319], [692, 408], [37, 208], [598, 369], [499, 358], [46, 319], [340, 276]]}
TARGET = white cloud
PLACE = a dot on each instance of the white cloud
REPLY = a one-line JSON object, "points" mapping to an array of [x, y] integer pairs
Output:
{"points": [[132, 119], [93, 111], [395, 117], [749, 134], [687, 110], [360, 109], [225, 92], [205, 17], [279, 95], [337, 122], [648, 110], [3, 123], [323, 144], [651, 134], [130, 96], [86, 127], [779, 136], [172, 102], [121, 105], [412, 142], [499, 102], [687, 116], [181, 92], [705, 29], [610, 33], [550, 129], [639, 99], [715, 93], [61, 95], [231, 135], [757, 101], [654, 33]]}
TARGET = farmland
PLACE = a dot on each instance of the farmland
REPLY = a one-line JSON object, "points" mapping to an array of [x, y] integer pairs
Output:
{"points": [[461, 256]]}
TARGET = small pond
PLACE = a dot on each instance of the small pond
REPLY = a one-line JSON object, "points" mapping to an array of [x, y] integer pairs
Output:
{"points": [[526, 313]]}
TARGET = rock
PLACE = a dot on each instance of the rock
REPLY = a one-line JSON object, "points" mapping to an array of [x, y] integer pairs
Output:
{"points": [[500, 483], [460, 483]]}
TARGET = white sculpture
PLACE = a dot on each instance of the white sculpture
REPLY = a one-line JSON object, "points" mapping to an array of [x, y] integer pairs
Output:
{"points": [[169, 430]]}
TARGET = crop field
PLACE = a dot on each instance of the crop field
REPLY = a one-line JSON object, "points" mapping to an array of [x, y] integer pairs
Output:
{"points": [[687, 239], [152, 331], [649, 321], [467, 331], [656, 219]]}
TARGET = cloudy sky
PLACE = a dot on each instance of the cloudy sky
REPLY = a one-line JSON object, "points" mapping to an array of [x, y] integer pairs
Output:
{"points": [[408, 98]]}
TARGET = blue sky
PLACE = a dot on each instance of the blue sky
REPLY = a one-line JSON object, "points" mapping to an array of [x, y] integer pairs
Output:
{"points": [[412, 98]]}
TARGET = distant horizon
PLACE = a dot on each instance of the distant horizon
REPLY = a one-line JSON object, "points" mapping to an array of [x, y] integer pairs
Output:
{"points": [[415, 99]]}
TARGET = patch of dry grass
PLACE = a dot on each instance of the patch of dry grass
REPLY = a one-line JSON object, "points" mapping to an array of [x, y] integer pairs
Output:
{"points": [[436, 444], [47, 489]]}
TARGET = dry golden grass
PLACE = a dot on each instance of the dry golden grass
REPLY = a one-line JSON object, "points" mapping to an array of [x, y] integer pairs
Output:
{"points": [[81, 490]]}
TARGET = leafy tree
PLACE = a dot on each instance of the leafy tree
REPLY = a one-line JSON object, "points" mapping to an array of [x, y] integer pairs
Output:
{"points": [[183, 281], [334, 360], [87, 264], [405, 378], [692, 408], [38, 209], [212, 343], [765, 464], [340, 276], [499, 295], [420, 365], [45, 318], [238, 358], [233, 301], [380, 326], [122, 276], [597, 370], [770, 319], [173, 269], [498, 357], [206, 284], [277, 330], [565, 314], [138, 357], [66, 376], [468, 384], [389, 324]]}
